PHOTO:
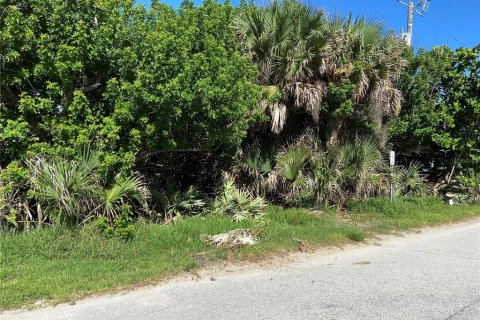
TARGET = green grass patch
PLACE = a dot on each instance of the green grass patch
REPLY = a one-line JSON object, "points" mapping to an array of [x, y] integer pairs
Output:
{"points": [[380, 215], [58, 264]]}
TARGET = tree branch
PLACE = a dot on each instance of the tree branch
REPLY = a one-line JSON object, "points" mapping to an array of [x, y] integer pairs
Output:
{"points": [[91, 87]]}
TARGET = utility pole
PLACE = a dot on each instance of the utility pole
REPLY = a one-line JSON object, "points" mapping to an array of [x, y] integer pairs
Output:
{"points": [[410, 23], [423, 5]]}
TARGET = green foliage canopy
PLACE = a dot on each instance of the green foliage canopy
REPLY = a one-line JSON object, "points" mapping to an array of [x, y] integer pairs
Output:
{"points": [[133, 81], [441, 108], [340, 71]]}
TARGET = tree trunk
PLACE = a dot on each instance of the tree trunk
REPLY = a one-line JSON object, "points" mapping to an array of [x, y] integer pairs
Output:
{"points": [[39, 215], [334, 128], [382, 133]]}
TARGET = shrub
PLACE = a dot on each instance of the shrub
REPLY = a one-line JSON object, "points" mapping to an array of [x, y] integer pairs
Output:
{"points": [[122, 227], [175, 203], [291, 161], [327, 177], [68, 189], [125, 188], [470, 184], [361, 166], [305, 174], [291, 179], [71, 191], [238, 203], [408, 181], [156, 79], [13, 200], [253, 168]]}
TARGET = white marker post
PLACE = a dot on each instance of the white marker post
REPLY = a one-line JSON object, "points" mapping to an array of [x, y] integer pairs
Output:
{"points": [[392, 164]]}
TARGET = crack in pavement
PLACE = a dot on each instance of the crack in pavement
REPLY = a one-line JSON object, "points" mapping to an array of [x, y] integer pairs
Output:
{"points": [[459, 312]]}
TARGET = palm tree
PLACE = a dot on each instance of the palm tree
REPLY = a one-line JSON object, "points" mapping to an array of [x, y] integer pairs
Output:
{"points": [[291, 44], [299, 52], [372, 61]]}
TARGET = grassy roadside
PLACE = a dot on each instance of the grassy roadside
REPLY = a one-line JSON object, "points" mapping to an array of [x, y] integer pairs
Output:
{"points": [[381, 216], [55, 264]]}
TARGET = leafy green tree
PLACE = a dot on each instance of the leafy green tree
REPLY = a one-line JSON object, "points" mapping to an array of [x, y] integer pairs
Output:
{"points": [[133, 81], [440, 119], [460, 97], [56, 56]]}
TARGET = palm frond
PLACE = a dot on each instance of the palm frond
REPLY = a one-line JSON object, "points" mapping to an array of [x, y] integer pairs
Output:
{"points": [[238, 203], [129, 187], [360, 161], [412, 179], [68, 189], [291, 161], [233, 239]]}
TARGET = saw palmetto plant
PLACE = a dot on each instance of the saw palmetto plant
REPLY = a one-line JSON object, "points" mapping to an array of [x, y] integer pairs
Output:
{"points": [[176, 203], [253, 168], [238, 203], [305, 173], [72, 192], [68, 189], [362, 165], [124, 188]]}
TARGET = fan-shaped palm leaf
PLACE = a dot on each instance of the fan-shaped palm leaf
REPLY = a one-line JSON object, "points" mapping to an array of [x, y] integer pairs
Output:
{"points": [[130, 187], [292, 161]]}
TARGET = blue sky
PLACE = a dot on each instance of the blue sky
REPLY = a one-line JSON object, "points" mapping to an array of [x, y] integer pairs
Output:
{"points": [[455, 23]]}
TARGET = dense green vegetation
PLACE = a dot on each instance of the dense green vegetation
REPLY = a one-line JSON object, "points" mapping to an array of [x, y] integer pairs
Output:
{"points": [[128, 132], [441, 114], [282, 102], [340, 71], [131, 81]]}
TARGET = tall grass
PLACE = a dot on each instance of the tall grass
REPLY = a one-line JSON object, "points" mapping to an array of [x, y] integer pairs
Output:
{"points": [[380, 215]]}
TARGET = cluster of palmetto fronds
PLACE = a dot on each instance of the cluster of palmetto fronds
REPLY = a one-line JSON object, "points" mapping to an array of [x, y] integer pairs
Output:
{"points": [[238, 202], [408, 180], [303, 173], [71, 191], [299, 51], [175, 203], [229, 199]]}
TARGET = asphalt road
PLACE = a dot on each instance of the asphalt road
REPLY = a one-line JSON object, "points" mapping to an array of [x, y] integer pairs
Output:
{"points": [[431, 275]]}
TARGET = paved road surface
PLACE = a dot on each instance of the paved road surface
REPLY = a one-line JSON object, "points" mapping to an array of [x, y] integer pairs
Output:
{"points": [[431, 275]]}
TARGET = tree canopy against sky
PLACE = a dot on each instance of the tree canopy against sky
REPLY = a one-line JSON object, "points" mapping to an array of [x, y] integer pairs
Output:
{"points": [[333, 68], [440, 119], [128, 79], [446, 23]]}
